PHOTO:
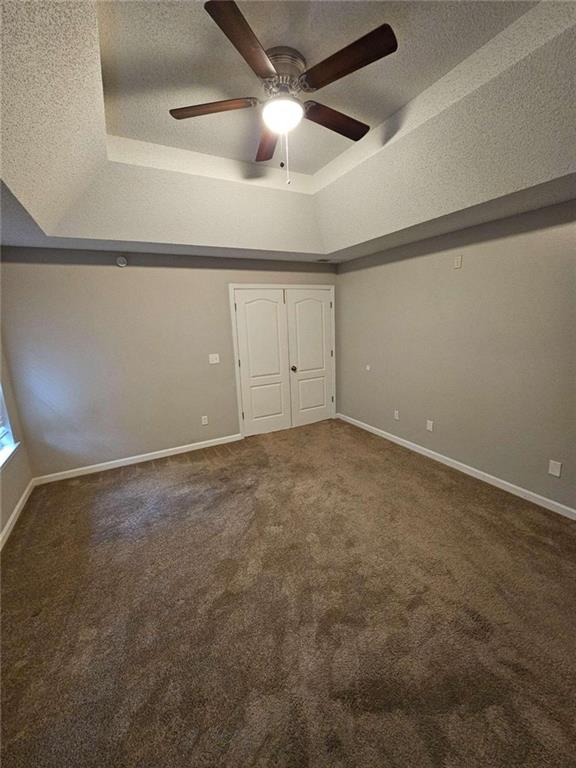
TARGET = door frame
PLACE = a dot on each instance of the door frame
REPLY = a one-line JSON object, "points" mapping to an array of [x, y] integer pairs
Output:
{"points": [[232, 287]]}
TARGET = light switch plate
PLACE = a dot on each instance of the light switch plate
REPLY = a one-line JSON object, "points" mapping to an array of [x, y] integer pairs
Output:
{"points": [[554, 468], [458, 262], [214, 358], [204, 420], [396, 415], [429, 425]]}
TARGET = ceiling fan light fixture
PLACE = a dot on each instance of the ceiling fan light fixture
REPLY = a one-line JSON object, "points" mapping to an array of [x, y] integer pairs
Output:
{"points": [[282, 113]]}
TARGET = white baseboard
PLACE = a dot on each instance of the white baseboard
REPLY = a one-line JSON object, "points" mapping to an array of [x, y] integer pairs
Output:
{"points": [[7, 530], [88, 470], [554, 506], [535, 498]]}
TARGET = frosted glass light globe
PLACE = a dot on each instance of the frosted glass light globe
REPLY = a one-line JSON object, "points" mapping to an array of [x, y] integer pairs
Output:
{"points": [[282, 113]]}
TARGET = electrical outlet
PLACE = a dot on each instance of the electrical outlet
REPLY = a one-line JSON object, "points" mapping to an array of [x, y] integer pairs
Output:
{"points": [[396, 415], [555, 468], [204, 420], [429, 425], [214, 358], [458, 262]]}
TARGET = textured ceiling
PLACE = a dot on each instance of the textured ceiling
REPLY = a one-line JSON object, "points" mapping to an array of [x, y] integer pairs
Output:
{"points": [[159, 55], [491, 137]]}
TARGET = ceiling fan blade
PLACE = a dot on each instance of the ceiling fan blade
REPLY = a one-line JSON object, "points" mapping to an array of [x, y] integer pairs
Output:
{"points": [[230, 20], [335, 121], [267, 145], [373, 46], [214, 106]]}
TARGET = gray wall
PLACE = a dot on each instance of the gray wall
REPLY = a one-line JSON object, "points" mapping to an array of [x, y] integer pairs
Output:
{"points": [[112, 362], [487, 351], [15, 474]]}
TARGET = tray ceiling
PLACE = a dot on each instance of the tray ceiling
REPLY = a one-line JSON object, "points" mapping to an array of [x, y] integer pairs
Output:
{"points": [[491, 137], [159, 55]]}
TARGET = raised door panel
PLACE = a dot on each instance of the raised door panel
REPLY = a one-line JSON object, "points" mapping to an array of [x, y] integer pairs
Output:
{"points": [[310, 347], [310, 334], [263, 349], [263, 330]]}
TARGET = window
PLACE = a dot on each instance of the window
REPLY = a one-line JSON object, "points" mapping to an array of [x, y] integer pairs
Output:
{"points": [[7, 444]]}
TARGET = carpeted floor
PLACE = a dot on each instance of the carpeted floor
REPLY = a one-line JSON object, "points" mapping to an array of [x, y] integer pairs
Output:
{"points": [[316, 597]]}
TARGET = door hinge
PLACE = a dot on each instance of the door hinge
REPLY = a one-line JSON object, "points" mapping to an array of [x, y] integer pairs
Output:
{"points": [[332, 398], [284, 296], [242, 414], [330, 305], [238, 363], [331, 353], [235, 307]]}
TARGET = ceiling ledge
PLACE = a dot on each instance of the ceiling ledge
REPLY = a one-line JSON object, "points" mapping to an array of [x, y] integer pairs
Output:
{"points": [[19, 229], [132, 203], [554, 216], [554, 193]]}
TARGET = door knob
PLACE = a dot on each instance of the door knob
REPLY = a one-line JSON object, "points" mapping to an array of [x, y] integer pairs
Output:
{"points": [[293, 368]]}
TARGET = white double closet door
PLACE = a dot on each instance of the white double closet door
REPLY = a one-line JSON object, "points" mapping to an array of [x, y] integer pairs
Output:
{"points": [[285, 356]]}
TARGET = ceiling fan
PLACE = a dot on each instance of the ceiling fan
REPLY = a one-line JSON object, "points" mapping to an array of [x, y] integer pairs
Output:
{"points": [[283, 73]]}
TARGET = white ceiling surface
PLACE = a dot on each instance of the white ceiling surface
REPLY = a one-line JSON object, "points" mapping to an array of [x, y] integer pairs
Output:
{"points": [[18, 228], [159, 55], [52, 116], [496, 126]]}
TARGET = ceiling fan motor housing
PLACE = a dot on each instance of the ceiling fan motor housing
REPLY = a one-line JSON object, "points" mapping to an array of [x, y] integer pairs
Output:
{"points": [[290, 65]]}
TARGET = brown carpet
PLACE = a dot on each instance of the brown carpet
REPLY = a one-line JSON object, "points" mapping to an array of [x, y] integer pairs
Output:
{"points": [[315, 597]]}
